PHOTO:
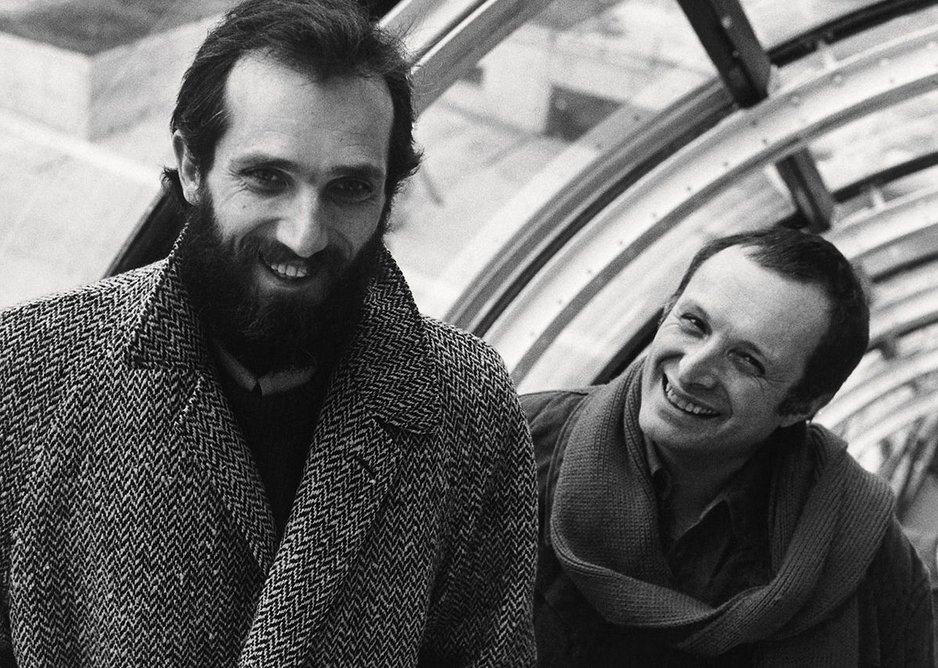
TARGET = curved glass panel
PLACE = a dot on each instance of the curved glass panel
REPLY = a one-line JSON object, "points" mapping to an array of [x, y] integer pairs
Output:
{"points": [[547, 99]]}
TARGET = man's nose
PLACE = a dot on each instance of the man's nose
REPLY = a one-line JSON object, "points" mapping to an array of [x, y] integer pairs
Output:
{"points": [[304, 229], [698, 366]]}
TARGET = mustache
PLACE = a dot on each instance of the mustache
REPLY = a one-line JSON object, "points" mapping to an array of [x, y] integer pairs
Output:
{"points": [[330, 258]]}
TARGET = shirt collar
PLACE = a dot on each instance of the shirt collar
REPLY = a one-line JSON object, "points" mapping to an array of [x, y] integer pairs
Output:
{"points": [[741, 495], [271, 383], [747, 492], [660, 477]]}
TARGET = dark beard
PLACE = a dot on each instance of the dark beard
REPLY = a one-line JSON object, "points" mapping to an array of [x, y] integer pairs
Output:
{"points": [[270, 334]]}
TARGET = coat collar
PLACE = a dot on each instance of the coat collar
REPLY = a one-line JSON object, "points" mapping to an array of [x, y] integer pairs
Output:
{"points": [[389, 355]]}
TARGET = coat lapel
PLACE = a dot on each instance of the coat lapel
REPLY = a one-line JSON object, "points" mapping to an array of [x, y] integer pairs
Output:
{"points": [[166, 335], [385, 385], [208, 430]]}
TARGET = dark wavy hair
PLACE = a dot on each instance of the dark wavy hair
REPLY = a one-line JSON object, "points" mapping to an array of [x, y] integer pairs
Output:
{"points": [[322, 38], [807, 258]]}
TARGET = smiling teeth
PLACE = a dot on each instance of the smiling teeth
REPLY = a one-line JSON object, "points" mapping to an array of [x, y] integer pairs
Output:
{"points": [[285, 270], [686, 406]]}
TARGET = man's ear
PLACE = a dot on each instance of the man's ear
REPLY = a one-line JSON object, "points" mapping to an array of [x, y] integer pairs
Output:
{"points": [[807, 411], [189, 175]]}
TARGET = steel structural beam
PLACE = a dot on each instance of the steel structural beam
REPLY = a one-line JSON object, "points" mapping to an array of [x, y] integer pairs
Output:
{"points": [[809, 193], [727, 36]]}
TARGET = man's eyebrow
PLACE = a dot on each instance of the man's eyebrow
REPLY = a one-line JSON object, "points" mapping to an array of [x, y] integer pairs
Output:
{"points": [[363, 170], [257, 159], [691, 303]]}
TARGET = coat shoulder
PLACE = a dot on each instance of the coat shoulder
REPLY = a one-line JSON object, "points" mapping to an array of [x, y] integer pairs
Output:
{"points": [[466, 359], [83, 312], [481, 416], [44, 340]]}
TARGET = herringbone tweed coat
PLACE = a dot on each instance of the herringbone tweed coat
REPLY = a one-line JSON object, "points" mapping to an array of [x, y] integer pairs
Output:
{"points": [[135, 528]]}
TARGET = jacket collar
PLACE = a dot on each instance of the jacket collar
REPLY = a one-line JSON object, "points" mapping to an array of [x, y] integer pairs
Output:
{"points": [[389, 355]]}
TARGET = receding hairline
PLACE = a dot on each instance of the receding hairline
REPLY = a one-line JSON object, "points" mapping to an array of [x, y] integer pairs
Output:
{"points": [[232, 98]]}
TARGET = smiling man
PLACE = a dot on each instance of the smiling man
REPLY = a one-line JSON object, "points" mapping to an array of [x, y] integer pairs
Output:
{"points": [[257, 452], [691, 513], [298, 230]]}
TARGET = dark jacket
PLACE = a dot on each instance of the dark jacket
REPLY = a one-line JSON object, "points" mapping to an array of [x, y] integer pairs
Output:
{"points": [[894, 606], [134, 529]]}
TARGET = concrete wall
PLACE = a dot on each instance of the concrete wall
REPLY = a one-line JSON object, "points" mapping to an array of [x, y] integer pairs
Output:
{"points": [[93, 96], [45, 83], [134, 80]]}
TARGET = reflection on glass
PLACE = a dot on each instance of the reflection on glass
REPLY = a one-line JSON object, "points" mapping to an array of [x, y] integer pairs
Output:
{"points": [[534, 105]]}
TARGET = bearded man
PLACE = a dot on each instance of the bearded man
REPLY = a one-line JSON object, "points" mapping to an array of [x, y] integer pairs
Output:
{"points": [[692, 514], [257, 452]]}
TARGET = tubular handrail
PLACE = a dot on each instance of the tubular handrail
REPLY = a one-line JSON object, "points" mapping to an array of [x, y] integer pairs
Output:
{"points": [[423, 24], [905, 284], [876, 227], [455, 48], [904, 317], [907, 251], [892, 173]]}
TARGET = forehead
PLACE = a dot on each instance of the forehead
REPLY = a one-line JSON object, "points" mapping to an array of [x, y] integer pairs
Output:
{"points": [[782, 317], [273, 108]]}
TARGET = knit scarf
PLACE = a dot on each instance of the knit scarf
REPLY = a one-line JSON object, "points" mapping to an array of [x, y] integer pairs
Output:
{"points": [[827, 517]]}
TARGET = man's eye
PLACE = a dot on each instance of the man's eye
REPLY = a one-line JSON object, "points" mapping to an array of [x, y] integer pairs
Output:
{"points": [[351, 190], [265, 179], [692, 322], [750, 363]]}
